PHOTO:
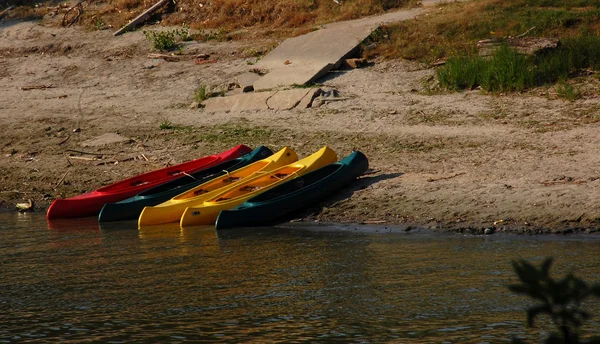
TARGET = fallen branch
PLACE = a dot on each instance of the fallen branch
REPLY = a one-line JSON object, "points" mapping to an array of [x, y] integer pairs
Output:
{"points": [[79, 8], [371, 171], [6, 11], [113, 162], [523, 45], [445, 178], [526, 32], [68, 160], [83, 158], [166, 57], [141, 18], [60, 180], [35, 87], [98, 155], [373, 222], [65, 140]]}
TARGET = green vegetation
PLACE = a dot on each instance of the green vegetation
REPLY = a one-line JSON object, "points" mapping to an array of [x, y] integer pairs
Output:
{"points": [[200, 94], [167, 40], [166, 125], [452, 31], [567, 91], [561, 300], [507, 70], [219, 35]]}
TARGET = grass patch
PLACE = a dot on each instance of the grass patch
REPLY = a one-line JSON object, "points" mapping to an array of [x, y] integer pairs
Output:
{"points": [[506, 70], [452, 30], [166, 125], [567, 91], [168, 39], [200, 94]]}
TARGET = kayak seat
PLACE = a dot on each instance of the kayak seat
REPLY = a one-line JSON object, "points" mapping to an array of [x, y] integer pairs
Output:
{"points": [[279, 175], [138, 182], [250, 188], [231, 179]]}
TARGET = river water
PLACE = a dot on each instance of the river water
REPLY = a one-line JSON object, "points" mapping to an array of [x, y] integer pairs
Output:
{"points": [[73, 281]]}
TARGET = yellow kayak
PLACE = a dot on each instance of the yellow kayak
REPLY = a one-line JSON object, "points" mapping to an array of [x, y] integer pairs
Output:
{"points": [[207, 212], [171, 210]]}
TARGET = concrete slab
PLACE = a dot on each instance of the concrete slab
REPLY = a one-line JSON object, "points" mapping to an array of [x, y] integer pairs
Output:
{"points": [[306, 58], [286, 100], [308, 98], [246, 81], [105, 139], [239, 102]]}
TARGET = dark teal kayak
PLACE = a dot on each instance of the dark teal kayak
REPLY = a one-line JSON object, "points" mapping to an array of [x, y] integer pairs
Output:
{"points": [[295, 194], [130, 209]]}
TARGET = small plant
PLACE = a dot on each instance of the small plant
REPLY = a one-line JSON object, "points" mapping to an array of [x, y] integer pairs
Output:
{"points": [[161, 40], [560, 299], [166, 125], [99, 24], [184, 33], [167, 40], [219, 34], [567, 91], [201, 94]]}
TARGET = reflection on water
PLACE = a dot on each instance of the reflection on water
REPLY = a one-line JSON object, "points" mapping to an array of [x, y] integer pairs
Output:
{"points": [[75, 281]]}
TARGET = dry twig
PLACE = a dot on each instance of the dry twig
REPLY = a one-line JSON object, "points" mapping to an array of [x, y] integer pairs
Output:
{"points": [[60, 180], [35, 87], [6, 11], [445, 178]]}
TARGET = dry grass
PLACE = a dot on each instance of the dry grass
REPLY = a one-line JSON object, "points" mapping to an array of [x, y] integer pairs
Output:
{"points": [[454, 28], [268, 17]]}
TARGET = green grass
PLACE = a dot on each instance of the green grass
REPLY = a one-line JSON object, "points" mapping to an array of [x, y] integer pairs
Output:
{"points": [[452, 30], [168, 39], [200, 94], [567, 91], [166, 125], [506, 70]]}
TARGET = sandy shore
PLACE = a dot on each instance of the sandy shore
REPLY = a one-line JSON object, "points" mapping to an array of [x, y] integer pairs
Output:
{"points": [[448, 161]]}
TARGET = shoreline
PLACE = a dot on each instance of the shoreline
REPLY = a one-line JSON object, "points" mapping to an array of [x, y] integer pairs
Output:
{"points": [[439, 161]]}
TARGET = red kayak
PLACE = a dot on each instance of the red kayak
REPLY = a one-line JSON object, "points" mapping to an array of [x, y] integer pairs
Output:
{"points": [[89, 204]]}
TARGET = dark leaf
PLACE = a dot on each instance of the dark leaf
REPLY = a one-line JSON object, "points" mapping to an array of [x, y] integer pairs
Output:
{"points": [[534, 311]]}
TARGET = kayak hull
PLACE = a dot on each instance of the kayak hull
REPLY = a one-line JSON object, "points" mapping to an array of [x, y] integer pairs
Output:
{"points": [[207, 212], [171, 210], [90, 204], [295, 194], [130, 209]]}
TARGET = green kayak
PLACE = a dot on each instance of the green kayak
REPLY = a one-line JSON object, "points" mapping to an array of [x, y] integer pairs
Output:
{"points": [[295, 194], [130, 209]]}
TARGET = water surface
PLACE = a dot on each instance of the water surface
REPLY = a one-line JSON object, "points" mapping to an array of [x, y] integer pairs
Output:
{"points": [[74, 281]]}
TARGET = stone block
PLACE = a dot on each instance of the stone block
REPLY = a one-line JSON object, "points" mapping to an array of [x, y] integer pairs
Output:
{"points": [[286, 100], [239, 102]]}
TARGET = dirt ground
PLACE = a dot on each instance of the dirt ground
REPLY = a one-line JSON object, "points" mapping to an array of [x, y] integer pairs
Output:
{"points": [[525, 163]]}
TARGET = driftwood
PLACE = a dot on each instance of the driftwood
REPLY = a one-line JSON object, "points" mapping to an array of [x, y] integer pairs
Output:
{"points": [[141, 18], [66, 21], [166, 57], [6, 11], [523, 45], [35, 87]]}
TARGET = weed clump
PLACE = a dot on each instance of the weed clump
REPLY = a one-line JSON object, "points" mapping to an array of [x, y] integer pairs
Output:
{"points": [[506, 70], [169, 39], [200, 94]]}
